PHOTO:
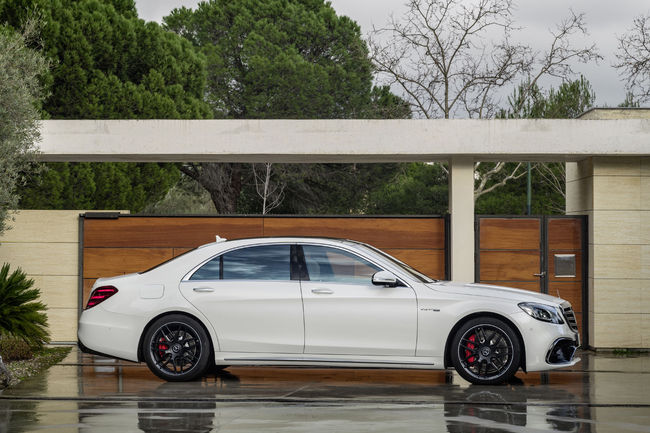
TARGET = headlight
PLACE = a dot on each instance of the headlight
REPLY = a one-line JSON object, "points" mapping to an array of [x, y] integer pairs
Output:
{"points": [[542, 312]]}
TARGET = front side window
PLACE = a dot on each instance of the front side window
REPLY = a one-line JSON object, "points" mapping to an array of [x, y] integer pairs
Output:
{"points": [[337, 266]]}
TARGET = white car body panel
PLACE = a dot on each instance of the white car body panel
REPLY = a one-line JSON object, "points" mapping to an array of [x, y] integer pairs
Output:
{"points": [[375, 320], [251, 316], [270, 322]]}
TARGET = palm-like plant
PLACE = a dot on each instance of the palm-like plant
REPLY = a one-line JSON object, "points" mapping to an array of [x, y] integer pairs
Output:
{"points": [[21, 314]]}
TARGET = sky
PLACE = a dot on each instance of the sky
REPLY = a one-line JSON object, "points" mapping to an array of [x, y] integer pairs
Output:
{"points": [[605, 19]]}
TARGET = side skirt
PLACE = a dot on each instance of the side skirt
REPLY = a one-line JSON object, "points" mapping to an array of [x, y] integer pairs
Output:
{"points": [[428, 363]]}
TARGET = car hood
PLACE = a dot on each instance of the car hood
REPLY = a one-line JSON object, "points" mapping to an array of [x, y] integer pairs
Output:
{"points": [[490, 291]]}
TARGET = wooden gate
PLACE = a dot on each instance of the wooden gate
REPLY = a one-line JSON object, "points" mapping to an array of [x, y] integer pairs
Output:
{"points": [[115, 244], [545, 254]]}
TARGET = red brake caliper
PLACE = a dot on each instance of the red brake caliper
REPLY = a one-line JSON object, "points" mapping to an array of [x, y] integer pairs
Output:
{"points": [[162, 346], [470, 346]]}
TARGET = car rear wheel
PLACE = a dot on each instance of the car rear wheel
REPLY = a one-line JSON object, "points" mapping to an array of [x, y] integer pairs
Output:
{"points": [[176, 348], [486, 350]]}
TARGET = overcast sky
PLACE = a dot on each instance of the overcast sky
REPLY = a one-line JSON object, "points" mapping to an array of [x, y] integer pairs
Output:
{"points": [[606, 19]]}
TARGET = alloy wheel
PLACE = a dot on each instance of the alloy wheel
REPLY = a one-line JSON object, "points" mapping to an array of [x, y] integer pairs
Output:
{"points": [[175, 348], [485, 351]]}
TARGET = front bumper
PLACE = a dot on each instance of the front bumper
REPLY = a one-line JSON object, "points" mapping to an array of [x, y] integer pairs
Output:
{"points": [[541, 341], [562, 352]]}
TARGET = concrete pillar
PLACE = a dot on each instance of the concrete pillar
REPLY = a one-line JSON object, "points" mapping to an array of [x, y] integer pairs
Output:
{"points": [[615, 193], [461, 206]]}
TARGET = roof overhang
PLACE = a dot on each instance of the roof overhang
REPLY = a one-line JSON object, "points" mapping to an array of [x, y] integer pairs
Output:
{"points": [[308, 141]]}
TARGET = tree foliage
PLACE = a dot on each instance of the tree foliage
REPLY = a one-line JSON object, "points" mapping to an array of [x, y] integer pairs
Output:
{"points": [[417, 189], [279, 59], [325, 189], [568, 101], [108, 64], [20, 97]]}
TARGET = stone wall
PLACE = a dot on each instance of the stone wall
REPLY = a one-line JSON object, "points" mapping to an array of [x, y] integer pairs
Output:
{"points": [[615, 193], [45, 244]]}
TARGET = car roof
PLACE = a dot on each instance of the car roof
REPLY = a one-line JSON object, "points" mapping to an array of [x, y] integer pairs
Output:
{"points": [[271, 239]]}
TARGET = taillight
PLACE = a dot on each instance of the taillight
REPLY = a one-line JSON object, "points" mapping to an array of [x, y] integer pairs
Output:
{"points": [[100, 294]]}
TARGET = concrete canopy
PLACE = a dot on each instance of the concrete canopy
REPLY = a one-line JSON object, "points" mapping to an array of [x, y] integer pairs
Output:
{"points": [[306, 141]]}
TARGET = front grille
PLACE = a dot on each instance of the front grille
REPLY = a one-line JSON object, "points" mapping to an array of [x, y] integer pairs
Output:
{"points": [[570, 317]]}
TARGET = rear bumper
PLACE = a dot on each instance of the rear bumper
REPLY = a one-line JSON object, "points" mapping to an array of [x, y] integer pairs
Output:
{"points": [[109, 334], [84, 349]]}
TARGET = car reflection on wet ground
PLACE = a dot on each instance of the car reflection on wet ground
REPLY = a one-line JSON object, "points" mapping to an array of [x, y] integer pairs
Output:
{"points": [[603, 393]]}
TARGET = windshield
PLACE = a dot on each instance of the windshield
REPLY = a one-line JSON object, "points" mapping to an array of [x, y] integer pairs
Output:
{"points": [[408, 269]]}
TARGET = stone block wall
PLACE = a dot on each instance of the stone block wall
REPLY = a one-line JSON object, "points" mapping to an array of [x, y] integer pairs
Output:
{"points": [[615, 193]]}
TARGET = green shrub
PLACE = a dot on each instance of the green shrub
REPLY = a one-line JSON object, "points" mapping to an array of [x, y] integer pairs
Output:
{"points": [[21, 314], [14, 349]]}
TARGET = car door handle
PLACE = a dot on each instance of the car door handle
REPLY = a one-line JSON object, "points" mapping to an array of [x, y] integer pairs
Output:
{"points": [[322, 291], [541, 274], [203, 289]]}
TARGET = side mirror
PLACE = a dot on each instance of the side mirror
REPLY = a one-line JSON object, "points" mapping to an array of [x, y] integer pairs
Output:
{"points": [[384, 278]]}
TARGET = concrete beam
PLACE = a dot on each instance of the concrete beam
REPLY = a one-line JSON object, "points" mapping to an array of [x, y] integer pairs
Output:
{"points": [[307, 141]]}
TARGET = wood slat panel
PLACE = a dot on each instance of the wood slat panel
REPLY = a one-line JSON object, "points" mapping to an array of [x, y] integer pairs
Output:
{"points": [[429, 262], [380, 232], [572, 292], [151, 232], [88, 284], [533, 286], [565, 234], [551, 266], [580, 328], [109, 262], [181, 251], [509, 265], [509, 234]]}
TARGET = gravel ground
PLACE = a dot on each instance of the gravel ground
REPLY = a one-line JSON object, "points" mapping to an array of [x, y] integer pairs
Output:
{"points": [[42, 360]]}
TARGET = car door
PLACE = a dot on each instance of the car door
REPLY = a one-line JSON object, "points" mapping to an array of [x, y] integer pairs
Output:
{"points": [[346, 314], [250, 299]]}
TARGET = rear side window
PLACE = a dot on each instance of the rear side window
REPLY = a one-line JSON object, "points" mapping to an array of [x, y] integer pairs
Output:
{"points": [[209, 271], [264, 262], [337, 266]]}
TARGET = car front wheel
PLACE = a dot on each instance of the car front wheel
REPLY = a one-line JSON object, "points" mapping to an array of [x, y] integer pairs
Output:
{"points": [[486, 351], [176, 348]]}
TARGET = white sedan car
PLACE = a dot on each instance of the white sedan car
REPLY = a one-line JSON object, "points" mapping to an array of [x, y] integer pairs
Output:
{"points": [[320, 302]]}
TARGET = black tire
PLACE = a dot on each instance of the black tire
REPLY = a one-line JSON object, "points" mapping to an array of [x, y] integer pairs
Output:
{"points": [[176, 348], [486, 351]]}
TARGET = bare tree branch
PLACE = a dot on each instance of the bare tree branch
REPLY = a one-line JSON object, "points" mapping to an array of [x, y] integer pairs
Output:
{"points": [[440, 54], [556, 61], [633, 57], [271, 192], [554, 175], [481, 189]]}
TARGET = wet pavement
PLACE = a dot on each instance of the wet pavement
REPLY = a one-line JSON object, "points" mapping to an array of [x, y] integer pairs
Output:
{"points": [[603, 393]]}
